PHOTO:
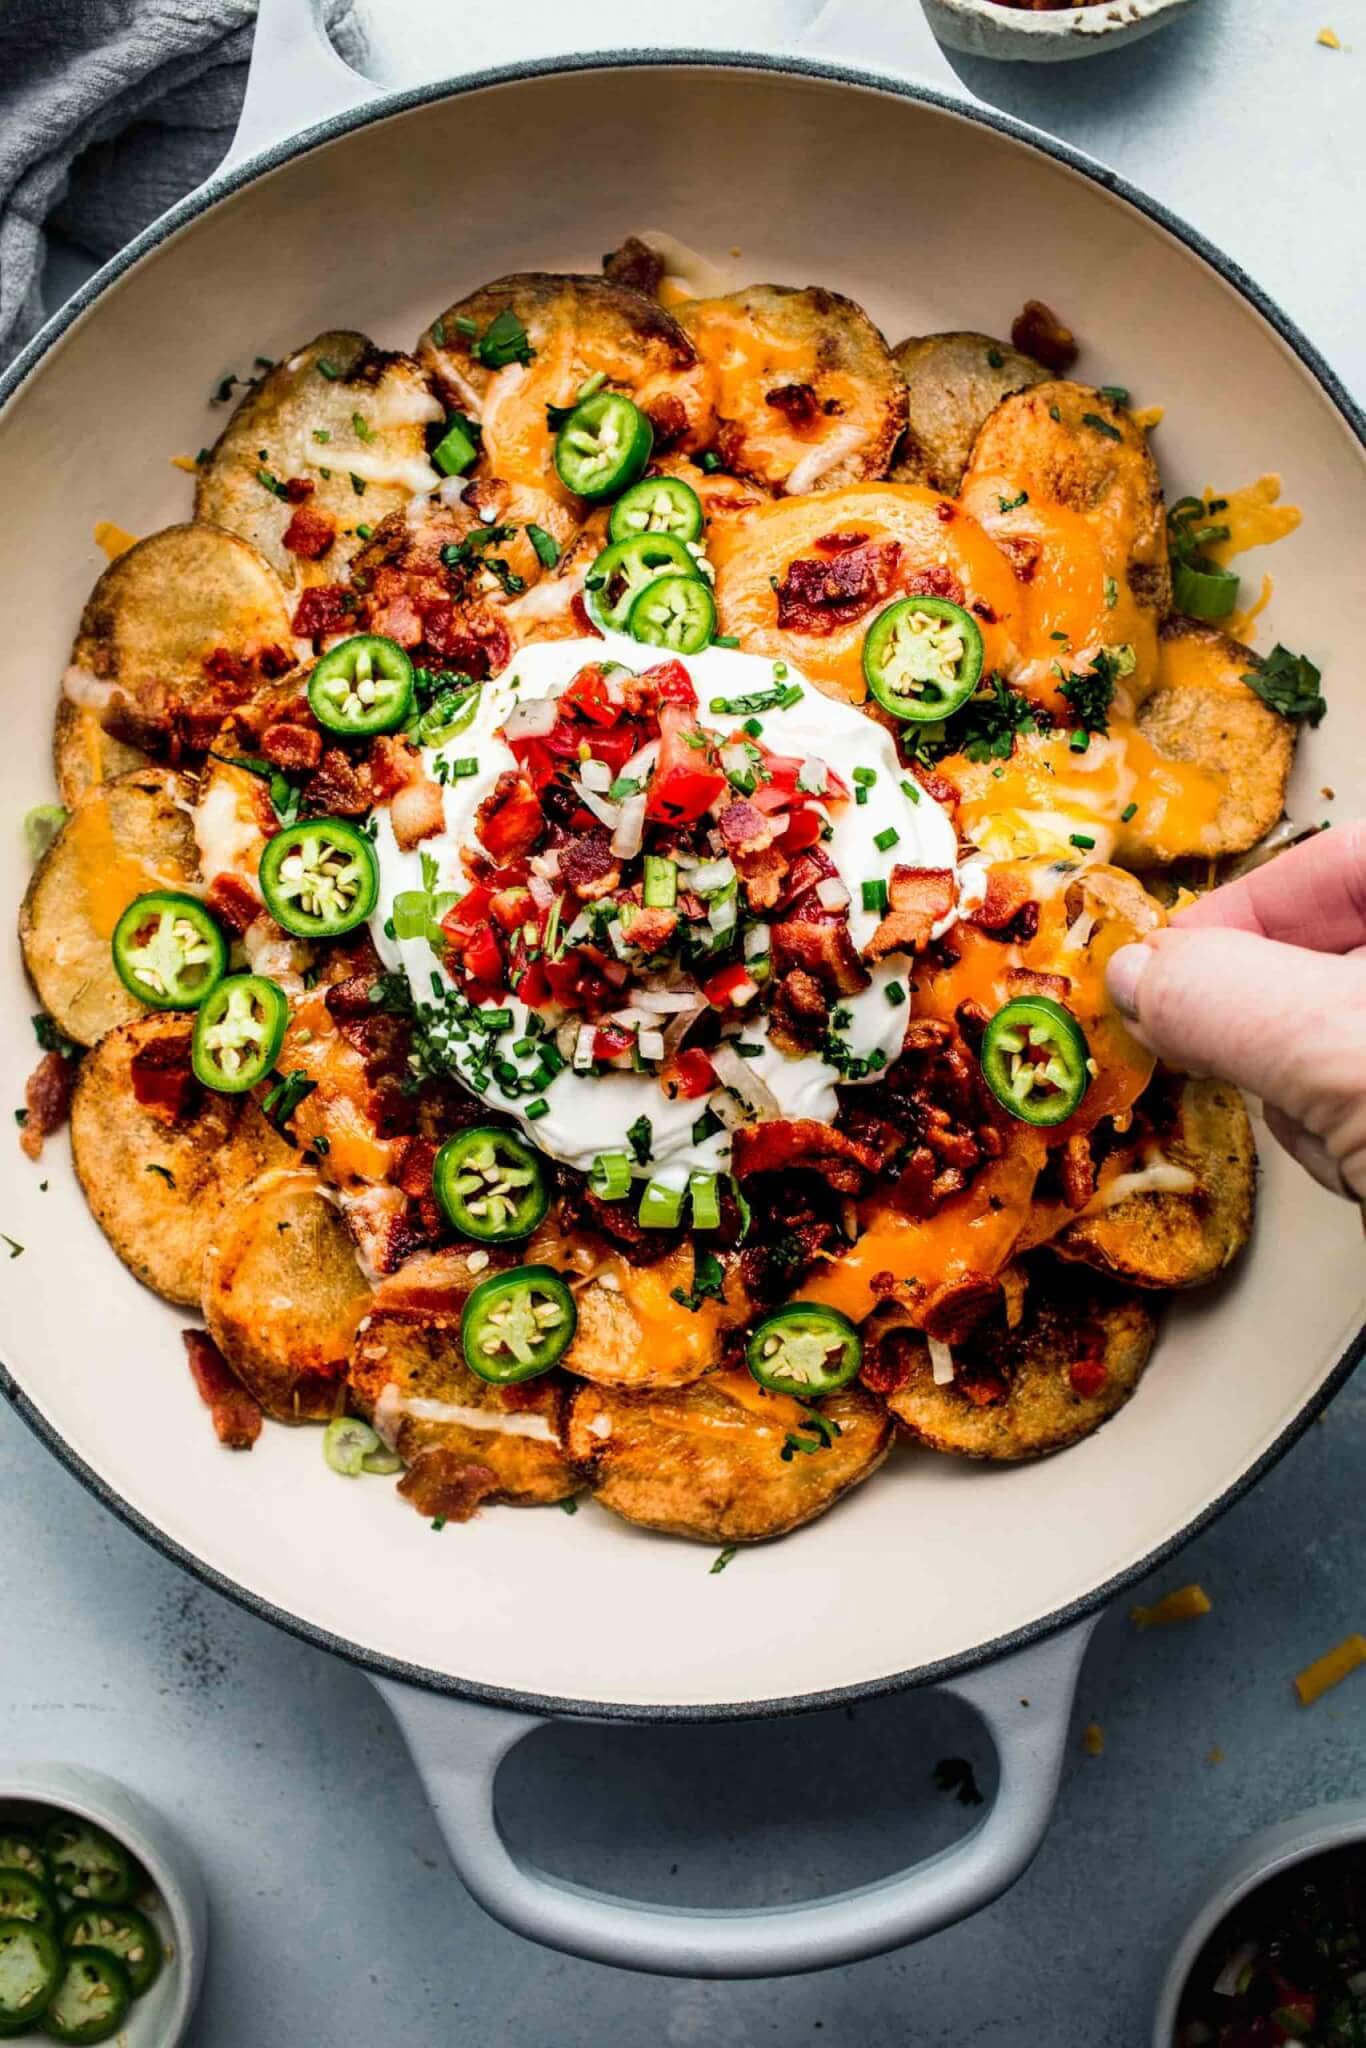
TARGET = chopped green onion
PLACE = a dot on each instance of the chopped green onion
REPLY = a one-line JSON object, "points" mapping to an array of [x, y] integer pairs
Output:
{"points": [[455, 451], [660, 1207], [41, 826], [868, 775], [1085, 840], [875, 897], [706, 1201], [885, 840], [660, 882], [466, 765], [539, 1108], [895, 993], [1129, 811], [911, 789], [724, 640], [610, 1177], [1117, 392]]}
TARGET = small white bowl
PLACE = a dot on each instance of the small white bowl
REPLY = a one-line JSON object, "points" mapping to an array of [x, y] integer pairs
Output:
{"points": [[161, 2018], [982, 28], [1243, 1871]]}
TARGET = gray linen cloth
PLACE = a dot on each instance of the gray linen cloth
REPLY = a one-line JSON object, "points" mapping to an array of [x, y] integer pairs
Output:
{"points": [[111, 110]]}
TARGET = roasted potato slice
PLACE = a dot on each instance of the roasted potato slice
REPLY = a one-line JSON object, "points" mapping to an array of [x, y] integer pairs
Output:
{"points": [[341, 415], [952, 382], [706, 1461], [1072, 1360], [576, 328], [632, 1334], [158, 1173], [407, 1373], [84, 754], [131, 835], [1202, 712], [1170, 1236], [151, 627], [283, 1293], [801, 578], [806, 394]]}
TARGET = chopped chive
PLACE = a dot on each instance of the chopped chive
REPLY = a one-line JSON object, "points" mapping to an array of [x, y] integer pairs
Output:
{"points": [[1129, 811], [358, 484], [724, 640], [790, 696], [911, 789], [886, 839], [1115, 392], [1085, 840], [1079, 740], [894, 993], [754, 727], [860, 793], [875, 897], [365, 532], [721, 1560], [540, 1107], [327, 368], [439, 332], [1093, 419], [466, 765]]}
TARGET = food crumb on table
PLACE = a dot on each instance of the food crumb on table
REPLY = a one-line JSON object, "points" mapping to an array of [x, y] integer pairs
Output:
{"points": [[1093, 1739], [1187, 1603], [1329, 38], [1330, 1669]]}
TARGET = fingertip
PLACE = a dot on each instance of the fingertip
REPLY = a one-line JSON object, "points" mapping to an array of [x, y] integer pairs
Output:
{"points": [[1127, 967]]}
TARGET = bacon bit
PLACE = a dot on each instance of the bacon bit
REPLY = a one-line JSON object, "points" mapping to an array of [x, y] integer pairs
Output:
{"points": [[309, 534], [1330, 1669], [744, 829], [47, 1100], [392, 763], [668, 416], [324, 608], [1007, 894], [763, 875], [1078, 1171], [588, 866], [800, 1014], [223, 666], [417, 811], [953, 1310], [446, 1487], [803, 1141], [339, 787], [235, 1414], [396, 617], [298, 748], [889, 1363], [1022, 551], [818, 596], [938, 786], [297, 488], [936, 581], [824, 950], [1088, 1377], [1029, 981], [919, 897], [510, 820], [1187, 1603], [162, 1078], [797, 403], [649, 929], [1093, 1739], [1037, 331], [233, 901], [474, 640]]}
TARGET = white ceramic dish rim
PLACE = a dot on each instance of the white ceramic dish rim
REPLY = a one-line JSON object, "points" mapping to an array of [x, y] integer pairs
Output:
{"points": [[1043, 1627], [1064, 24]]}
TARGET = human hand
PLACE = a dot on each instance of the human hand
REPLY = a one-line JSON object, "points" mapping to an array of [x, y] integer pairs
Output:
{"points": [[1264, 983]]}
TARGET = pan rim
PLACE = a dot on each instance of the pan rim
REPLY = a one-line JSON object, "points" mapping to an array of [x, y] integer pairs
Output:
{"points": [[221, 186]]}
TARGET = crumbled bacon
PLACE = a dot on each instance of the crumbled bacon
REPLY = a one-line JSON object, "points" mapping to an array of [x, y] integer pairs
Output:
{"points": [[889, 1360], [274, 660], [1078, 1171], [588, 865], [763, 875], [472, 640], [510, 820], [953, 1310], [936, 581], [223, 666], [668, 416], [650, 930], [47, 1100], [297, 488], [919, 897], [800, 1014], [324, 608], [797, 403], [819, 596], [413, 1174], [1037, 331], [782, 1143], [296, 748], [417, 811], [824, 950], [309, 534], [1023, 552], [745, 829], [235, 1414], [1007, 895], [233, 902], [338, 787], [163, 1080], [392, 762], [1029, 981], [446, 1487]]}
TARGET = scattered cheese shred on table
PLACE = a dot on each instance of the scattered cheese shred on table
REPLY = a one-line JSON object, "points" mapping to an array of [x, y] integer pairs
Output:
{"points": [[1329, 38], [185, 462], [114, 540], [1330, 1669], [1185, 1604], [1150, 416], [1093, 1739], [1216, 1755]]}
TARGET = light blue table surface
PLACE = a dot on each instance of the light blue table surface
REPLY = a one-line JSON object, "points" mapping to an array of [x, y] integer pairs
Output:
{"points": [[335, 1917]]}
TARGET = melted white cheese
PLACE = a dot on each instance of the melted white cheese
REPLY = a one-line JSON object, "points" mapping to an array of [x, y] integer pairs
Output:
{"points": [[590, 1113]]}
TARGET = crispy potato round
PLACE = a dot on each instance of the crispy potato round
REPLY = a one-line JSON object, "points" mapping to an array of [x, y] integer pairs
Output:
{"points": [[129, 836], [84, 754], [407, 1374], [150, 624], [1204, 713], [885, 538], [631, 1333], [576, 328], [283, 1293], [805, 392], [1171, 1238], [1070, 1363], [706, 1461], [157, 1181], [952, 382], [340, 406]]}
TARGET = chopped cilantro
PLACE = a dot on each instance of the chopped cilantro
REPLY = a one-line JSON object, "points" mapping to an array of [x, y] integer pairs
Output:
{"points": [[503, 341], [1106, 427], [165, 1173], [708, 1281], [271, 483], [640, 1138], [1013, 504], [53, 1040], [1289, 683], [546, 546], [722, 1559], [1090, 692], [989, 722]]}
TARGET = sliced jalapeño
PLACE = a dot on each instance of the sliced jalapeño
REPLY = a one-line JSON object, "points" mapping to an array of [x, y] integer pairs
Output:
{"points": [[490, 1184], [319, 878], [922, 657], [1036, 1060], [517, 1324]]}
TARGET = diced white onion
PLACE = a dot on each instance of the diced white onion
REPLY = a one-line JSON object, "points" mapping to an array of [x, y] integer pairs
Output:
{"points": [[831, 893], [666, 1002], [941, 1362], [583, 1047], [651, 1045], [757, 942], [567, 1037], [1079, 931], [711, 876], [812, 776], [729, 1110], [542, 895], [679, 1025], [630, 831], [721, 914], [547, 864], [1229, 1979], [736, 759], [531, 719], [606, 814], [628, 1019], [611, 685], [597, 775], [640, 764], [740, 1077]]}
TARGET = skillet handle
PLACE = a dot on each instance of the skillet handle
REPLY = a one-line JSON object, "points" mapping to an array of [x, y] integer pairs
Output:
{"points": [[295, 79], [459, 1745]]}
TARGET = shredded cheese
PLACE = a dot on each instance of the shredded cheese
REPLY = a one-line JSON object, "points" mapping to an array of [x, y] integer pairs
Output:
{"points": [[941, 1362], [187, 463], [114, 540], [1329, 38], [1330, 1669], [1186, 1604], [1093, 1739]]}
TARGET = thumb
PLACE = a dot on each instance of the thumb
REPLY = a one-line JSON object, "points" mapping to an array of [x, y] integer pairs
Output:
{"points": [[1286, 1024]]}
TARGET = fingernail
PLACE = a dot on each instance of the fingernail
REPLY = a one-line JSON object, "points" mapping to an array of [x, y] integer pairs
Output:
{"points": [[1122, 976]]}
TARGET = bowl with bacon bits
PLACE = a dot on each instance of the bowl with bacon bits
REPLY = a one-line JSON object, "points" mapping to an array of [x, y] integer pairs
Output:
{"points": [[1046, 31]]}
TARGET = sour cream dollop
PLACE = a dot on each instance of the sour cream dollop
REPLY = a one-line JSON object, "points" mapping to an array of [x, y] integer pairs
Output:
{"points": [[590, 1113]]}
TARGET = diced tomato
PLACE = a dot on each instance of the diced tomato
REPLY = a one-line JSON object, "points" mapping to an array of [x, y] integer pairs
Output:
{"points": [[471, 910], [587, 694], [528, 980], [617, 746], [574, 980], [610, 1041], [803, 829], [1088, 1376], [688, 1075], [731, 988], [511, 907], [483, 956], [685, 783], [511, 820], [673, 683]]}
